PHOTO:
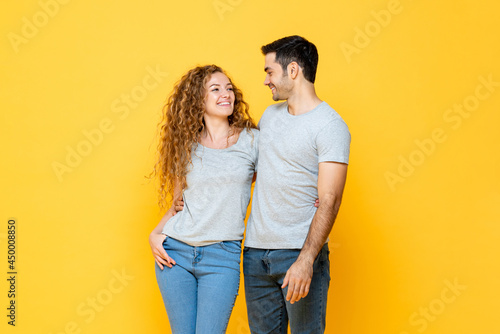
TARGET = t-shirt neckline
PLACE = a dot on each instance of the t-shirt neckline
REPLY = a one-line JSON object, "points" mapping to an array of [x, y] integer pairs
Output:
{"points": [[307, 113], [223, 149]]}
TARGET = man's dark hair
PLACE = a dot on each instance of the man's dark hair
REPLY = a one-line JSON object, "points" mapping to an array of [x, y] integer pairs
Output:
{"points": [[298, 49]]}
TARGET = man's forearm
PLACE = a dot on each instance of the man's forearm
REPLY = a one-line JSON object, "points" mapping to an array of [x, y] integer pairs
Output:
{"points": [[320, 228]]}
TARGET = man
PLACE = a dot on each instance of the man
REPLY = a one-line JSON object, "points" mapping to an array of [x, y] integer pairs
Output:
{"points": [[303, 155]]}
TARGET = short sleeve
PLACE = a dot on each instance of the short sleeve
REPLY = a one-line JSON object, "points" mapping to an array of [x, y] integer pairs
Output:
{"points": [[333, 142], [255, 147]]}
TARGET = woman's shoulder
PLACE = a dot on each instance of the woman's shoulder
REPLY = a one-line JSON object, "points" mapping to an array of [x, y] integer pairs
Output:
{"points": [[251, 133], [248, 131], [248, 136], [255, 131]]}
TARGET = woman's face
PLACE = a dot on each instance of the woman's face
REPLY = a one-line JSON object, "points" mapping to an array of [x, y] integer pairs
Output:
{"points": [[219, 96]]}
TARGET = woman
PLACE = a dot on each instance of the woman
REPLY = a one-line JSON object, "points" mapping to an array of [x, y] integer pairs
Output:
{"points": [[207, 155]]}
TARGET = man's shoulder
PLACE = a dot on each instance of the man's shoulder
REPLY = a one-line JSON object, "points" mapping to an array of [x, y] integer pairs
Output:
{"points": [[329, 116], [272, 111], [325, 110], [276, 106]]}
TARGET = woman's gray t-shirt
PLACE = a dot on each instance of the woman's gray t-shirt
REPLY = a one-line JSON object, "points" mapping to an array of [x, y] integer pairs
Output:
{"points": [[218, 193]]}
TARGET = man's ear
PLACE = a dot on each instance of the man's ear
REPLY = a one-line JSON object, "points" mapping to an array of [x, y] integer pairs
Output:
{"points": [[293, 70]]}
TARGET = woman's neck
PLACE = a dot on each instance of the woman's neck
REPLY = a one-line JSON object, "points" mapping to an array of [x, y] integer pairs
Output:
{"points": [[217, 134], [216, 129]]}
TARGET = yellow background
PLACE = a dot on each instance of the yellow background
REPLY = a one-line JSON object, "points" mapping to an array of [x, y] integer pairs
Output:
{"points": [[402, 237]]}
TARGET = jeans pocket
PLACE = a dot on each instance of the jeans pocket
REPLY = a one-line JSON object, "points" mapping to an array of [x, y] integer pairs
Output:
{"points": [[233, 246], [325, 264], [165, 240]]}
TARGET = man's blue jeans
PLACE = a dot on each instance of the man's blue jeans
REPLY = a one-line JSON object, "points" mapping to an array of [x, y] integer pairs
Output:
{"points": [[200, 290], [268, 310]]}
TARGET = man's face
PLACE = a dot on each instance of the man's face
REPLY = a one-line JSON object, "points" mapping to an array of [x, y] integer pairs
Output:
{"points": [[277, 79]]}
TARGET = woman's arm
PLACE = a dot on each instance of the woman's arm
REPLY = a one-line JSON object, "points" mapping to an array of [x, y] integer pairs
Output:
{"points": [[156, 237]]}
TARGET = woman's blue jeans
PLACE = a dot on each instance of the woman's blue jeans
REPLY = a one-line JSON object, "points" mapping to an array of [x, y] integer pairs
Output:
{"points": [[200, 290]]}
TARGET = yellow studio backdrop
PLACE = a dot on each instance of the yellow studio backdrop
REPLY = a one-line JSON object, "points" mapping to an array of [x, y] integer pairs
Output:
{"points": [[415, 247]]}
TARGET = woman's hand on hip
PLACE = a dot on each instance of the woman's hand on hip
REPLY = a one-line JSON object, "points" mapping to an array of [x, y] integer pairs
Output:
{"points": [[159, 253]]}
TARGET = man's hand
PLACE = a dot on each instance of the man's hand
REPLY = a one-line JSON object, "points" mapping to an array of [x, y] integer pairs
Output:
{"points": [[178, 205], [298, 279], [331, 180]]}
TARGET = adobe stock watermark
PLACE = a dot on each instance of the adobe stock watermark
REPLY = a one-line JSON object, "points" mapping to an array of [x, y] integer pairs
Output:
{"points": [[88, 309], [120, 108], [30, 27], [421, 319], [364, 36], [453, 118], [224, 6]]}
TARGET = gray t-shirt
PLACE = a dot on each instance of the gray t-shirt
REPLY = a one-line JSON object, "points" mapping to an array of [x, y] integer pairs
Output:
{"points": [[290, 150], [218, 193]]}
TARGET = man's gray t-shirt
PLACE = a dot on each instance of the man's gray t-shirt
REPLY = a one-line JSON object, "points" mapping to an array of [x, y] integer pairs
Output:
{"points": [[290, 150], [216, 199]]}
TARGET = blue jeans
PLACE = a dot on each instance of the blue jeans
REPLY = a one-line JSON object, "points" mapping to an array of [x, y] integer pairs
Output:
{"points": [[200, 290], [268, 310]]}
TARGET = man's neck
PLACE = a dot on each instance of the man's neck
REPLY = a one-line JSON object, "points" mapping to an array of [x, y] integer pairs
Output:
{"points": [[303, 101]]}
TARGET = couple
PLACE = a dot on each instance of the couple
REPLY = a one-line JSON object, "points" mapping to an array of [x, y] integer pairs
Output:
{"points": [[210, 153]]}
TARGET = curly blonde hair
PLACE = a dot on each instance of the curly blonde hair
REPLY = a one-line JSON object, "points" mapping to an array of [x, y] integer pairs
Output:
{"points": [[182, 123]]}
